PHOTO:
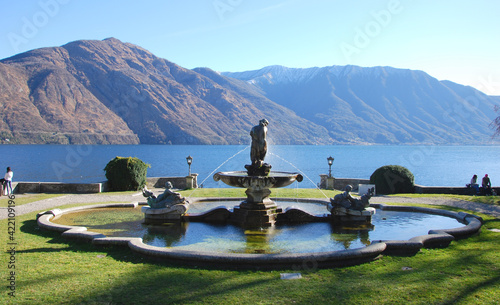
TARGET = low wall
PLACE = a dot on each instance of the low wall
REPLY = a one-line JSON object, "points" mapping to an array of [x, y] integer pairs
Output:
{"points": [[177, 182], [87, 188], [58, 187], [453, 190], [341, 183]]}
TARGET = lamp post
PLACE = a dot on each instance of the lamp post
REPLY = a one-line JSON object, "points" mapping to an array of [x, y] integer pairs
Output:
{"points": [[330, 162], [189, 160]]}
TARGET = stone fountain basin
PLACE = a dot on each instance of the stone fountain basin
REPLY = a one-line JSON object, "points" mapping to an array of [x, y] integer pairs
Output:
{"points": [[435, 239], [243, 180]]}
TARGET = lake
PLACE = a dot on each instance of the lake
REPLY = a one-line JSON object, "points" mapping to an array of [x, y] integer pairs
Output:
{"points": [[431, 165]]}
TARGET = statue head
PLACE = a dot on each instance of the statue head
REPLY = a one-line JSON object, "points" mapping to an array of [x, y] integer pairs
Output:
{"points": [[264, 122], [168, 185], [348, 188]]}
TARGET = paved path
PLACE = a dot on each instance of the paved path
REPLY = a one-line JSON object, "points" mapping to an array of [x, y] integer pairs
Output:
{"points": [[50, 203], [47, 204]]}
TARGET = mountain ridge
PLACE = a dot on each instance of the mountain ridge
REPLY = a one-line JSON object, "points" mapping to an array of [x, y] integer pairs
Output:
{"points": [[383, 105], [110, 92], [143, 99]]}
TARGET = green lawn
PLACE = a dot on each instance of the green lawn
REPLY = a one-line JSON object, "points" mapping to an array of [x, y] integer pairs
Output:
{"points": [[240, 192], [26, 198], [52, 270]]}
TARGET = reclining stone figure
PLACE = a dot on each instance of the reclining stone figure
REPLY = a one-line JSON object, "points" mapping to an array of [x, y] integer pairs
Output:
{"points": [[346, 201], [167, 199]]}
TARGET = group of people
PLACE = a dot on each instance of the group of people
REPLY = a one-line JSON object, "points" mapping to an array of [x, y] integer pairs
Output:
{"points": [[6, 182], [485, 188]]}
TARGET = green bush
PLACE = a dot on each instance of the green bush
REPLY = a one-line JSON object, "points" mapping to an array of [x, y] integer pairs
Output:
{"points": [[126, 174], [393, 179]]}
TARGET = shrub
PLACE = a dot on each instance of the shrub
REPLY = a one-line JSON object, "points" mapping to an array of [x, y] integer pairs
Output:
{"points": [[126, 174], [393, 179]]}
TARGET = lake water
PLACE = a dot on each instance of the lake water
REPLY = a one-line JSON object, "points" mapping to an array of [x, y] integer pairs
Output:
{"points": [[431, 165]]}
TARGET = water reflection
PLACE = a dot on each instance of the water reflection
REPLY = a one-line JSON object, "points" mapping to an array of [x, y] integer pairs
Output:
{"points": [[166, 235], [282, 238], [346, 235]]}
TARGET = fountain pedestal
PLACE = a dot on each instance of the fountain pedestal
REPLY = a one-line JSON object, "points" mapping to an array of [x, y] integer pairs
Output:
{"points": [[255, 218], [258, 210], [164, 215], [343, 215]]}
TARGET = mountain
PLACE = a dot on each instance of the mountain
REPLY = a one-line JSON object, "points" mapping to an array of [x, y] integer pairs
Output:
{"points": [[110, 92], [381, 105], [100, 92]]}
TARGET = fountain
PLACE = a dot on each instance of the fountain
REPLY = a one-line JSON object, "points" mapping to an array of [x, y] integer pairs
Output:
{"points": [[260, 220], [258, 210]]}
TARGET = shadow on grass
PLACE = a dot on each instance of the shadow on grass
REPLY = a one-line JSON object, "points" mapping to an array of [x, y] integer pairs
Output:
{"points": [[469, 291], [119, 253], [436, 273], [147, 282], [170, 286], [492, 223]]}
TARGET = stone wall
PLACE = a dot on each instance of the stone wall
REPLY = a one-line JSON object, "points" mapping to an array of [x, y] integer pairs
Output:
{"points": [[59, 188], [341, 183], [454, 190], [87, 188], [177, 182]]}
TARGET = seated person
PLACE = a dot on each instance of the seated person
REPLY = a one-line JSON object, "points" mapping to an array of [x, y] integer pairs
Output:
{"points": [[486, 184], [473, 183]]}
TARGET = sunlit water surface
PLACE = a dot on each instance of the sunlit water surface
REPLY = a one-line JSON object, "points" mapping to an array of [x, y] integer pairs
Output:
{"points": [[228, 238]]}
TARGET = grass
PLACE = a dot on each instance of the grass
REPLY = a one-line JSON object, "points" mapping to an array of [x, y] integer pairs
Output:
{"points": [[54, 270], [239, 192], [26, 198]]}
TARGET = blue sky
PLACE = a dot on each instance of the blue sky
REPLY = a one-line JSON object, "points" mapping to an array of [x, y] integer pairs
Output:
{"points": [[455, 40]]}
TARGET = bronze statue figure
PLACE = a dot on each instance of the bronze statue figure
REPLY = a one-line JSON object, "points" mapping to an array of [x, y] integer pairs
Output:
{"points": [[258, 150]]}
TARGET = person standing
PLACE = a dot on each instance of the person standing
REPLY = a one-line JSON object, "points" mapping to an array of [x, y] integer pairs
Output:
{"points": [[8, 181]]}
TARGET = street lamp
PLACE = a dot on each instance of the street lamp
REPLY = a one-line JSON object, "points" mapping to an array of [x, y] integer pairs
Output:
{"points": [[189, 160], [330, 162]]}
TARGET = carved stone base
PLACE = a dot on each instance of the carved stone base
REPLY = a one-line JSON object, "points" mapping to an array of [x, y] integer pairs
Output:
{"points": [[164, 215], [255, 170], [251, 215], [340, 214]]}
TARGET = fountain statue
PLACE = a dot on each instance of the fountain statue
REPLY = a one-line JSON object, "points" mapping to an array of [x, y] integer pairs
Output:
{"points": [[258, 150], [167, 199], [258, 210], [167, 207], [345, 208]]}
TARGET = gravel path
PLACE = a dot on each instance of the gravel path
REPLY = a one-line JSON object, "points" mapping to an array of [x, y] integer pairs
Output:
{"points": [[51, 203]]}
